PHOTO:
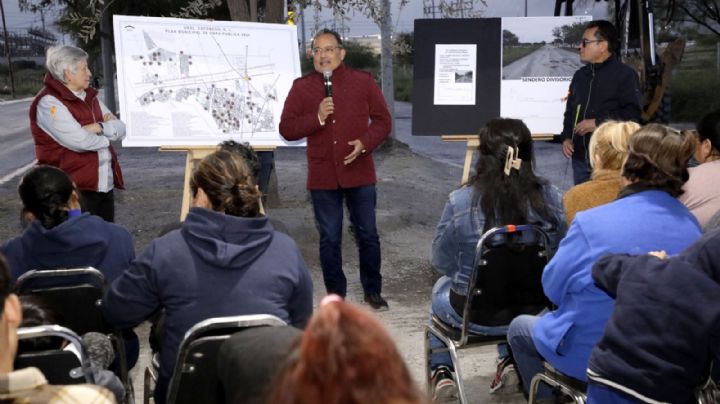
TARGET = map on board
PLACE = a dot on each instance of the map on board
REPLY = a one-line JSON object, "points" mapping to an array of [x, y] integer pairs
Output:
{"points": [[197, 82]]}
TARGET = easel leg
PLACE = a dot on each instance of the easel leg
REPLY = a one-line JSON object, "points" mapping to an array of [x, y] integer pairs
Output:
{"points": [[468, 162], [189, 166]]}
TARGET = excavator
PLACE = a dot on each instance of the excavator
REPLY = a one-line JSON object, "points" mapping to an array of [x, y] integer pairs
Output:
{"points": [[635, 20]]}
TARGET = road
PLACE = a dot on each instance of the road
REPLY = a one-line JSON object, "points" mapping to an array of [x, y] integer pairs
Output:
{"points": [[17, 149], [547, 61]]}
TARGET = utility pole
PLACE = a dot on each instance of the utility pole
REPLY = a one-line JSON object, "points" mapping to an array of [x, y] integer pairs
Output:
{"points": [[106, 49], [7, 51]]}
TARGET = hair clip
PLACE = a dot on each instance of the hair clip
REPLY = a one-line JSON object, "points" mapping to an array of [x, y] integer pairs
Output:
{"points": [[512, 160]]}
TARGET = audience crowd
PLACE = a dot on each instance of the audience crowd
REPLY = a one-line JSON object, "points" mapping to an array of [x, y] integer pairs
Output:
{"points": [[634, 285]]}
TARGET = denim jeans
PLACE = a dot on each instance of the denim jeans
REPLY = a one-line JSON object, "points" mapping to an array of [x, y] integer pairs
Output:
{"points": [[267, 164], [580, 161], [328, 208], [442, 309], [528, 360]]}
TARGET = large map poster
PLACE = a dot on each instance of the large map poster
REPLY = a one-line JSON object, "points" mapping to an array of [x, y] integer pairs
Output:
{"points": [[197, 82]]}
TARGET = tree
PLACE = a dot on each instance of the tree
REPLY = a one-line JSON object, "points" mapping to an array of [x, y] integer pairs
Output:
{"points": [[403, 48], [509, 38]]}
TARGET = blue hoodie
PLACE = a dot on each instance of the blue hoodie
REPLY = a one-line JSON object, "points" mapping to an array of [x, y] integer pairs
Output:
{"points": [[80, 241], [216, 265]]}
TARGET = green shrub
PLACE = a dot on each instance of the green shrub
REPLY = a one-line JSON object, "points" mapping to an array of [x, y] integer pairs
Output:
{"points": [[27, 81], [403, 83], [693, 94]]}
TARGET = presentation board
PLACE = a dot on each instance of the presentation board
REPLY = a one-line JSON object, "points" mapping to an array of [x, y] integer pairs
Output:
{"points": [[197, 83], [523, 70]]}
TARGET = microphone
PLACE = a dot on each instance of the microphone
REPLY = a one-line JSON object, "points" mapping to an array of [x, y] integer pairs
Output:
{"points": [[327, 74]]}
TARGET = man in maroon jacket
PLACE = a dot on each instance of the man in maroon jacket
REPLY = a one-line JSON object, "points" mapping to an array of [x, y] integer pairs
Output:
{"points": [[342, 129]]}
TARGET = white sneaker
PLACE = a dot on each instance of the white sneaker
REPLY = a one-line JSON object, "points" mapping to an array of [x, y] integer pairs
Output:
{"points": [[507, 380], [444, 386]]}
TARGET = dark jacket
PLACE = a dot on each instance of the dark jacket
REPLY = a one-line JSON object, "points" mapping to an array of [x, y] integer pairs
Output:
{"points": [[360, 113], [604, 91], [82, 167], [665, 329], [81, 241], [216, 265]]}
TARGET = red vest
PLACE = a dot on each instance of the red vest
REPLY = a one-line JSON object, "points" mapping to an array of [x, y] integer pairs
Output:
{"points": [[82, 167]]}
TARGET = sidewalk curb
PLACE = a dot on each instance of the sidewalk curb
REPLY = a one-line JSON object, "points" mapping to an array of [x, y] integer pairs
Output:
{"points": [[10, 102]]}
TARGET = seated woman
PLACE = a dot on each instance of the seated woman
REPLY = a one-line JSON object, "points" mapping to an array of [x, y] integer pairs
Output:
{"points": [[344, 357], [607, 150], [225, 260], [645, 217], [496, 196], [702, 194], [59, 236], [639, 357], [98, 346]]}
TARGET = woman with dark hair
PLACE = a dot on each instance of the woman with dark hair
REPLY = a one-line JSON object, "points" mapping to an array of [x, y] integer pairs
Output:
{"points": [[702, 194], [344, 357], [505, 190], [59, 235], [645, 217], [225, 260]]}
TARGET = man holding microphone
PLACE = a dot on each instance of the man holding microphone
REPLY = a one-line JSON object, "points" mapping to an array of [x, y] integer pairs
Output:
{"points": [[342, 113]]}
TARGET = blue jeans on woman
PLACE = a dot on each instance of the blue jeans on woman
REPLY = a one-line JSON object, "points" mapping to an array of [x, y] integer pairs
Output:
{"points": [[528, 360], [328, 207]]}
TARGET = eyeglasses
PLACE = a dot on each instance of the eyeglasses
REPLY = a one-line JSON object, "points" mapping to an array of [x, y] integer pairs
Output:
{"points": [[585, 42], [327, 49]]}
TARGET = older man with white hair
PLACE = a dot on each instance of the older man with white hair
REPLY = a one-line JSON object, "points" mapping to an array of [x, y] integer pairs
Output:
{"points": [[72, 130]]}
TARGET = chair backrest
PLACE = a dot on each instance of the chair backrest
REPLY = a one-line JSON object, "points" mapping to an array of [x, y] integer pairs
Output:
{"points": [[58, 366], [195, 378], [74, 295], [506, 277]]}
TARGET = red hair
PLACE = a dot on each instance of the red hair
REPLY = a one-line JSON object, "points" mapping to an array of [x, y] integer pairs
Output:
{"points": [[345, 356]]}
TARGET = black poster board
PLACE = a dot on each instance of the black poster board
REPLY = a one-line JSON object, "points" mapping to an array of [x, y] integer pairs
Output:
{"points": [[430, 119]]}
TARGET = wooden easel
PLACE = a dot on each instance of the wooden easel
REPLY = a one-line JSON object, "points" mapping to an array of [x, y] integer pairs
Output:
{"points": [[472, 144], [195, 154]]}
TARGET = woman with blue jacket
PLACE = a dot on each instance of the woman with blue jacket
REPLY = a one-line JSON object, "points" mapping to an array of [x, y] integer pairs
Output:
{"points": [[645, 217]]}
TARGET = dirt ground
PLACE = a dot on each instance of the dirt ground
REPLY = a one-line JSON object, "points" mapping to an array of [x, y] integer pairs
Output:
{"points": [[412, 190]]}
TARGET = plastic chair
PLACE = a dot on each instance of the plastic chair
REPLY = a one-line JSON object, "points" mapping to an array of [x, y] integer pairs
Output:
{"points": [[505, 282], [59, 366], [75, 296], [195, 378]]}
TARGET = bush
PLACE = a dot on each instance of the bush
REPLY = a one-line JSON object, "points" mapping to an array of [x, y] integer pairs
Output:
{"points": [[27, 81], [694, 93], [403, 83]]}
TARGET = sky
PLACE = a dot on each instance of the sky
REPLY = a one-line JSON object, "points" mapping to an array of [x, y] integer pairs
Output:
{"points": [[358, 25]]}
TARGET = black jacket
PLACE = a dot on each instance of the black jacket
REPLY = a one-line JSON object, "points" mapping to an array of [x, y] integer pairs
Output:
{"points": [[604, 91], [665, 328]]}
